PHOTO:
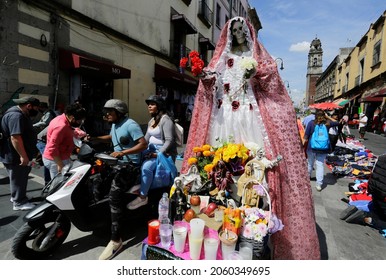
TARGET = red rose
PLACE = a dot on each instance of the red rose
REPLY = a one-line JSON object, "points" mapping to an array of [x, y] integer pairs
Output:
{"points": [[230, 62], [226, 88], [183, 62], [235, 105]]}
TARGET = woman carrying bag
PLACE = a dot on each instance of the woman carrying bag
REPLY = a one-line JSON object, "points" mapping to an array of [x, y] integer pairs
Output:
{"points": [[161, 147]]}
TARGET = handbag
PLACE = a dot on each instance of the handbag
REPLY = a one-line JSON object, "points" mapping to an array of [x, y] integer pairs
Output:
{"points": [[165, 172]]}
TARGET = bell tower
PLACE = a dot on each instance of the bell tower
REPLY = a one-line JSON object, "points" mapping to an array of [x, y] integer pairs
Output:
{"points": [[314, 69]]}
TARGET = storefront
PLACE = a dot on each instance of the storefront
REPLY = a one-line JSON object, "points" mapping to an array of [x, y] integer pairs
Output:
{"points": [[91, 82]]}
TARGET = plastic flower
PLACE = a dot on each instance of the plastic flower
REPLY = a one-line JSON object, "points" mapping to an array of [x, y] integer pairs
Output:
{"points": [[255, 223], [248, 65], [203, 159], [196, 63], [184, 62]]}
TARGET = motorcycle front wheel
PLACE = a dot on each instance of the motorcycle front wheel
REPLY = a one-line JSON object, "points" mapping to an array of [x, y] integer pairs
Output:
{"points": [[36, 241]]}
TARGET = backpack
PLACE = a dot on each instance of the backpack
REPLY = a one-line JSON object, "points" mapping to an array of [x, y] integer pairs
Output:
{"points": [[319, 139], [179, 134]]}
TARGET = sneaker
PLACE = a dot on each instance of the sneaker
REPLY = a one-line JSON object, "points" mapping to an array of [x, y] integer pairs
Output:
{"points": [[111, 250], [138, 202], [24, 207], [318, 187], [11, 199], [134, 189]]}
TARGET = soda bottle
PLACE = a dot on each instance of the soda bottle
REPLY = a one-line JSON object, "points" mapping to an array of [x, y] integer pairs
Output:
{"points": [[163, 209]]}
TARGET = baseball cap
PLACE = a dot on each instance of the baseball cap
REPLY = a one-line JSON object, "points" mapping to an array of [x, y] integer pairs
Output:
{"points": [[27, 100]]}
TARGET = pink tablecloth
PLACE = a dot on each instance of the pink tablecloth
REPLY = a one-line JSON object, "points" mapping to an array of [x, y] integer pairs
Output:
{"points": [[185, 255]]}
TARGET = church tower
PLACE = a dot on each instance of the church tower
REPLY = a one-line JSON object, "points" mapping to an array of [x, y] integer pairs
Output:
{"points": [[314, 69]]}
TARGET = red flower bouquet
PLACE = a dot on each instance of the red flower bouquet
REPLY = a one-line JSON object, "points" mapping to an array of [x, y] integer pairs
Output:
{"points": [[196, 63]]}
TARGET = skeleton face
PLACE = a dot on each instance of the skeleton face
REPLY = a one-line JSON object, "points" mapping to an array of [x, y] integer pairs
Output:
{"points": [[237, 32]]}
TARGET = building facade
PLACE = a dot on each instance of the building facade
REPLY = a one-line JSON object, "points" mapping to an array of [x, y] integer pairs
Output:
{"points": [[92, 51], [326, 85], [361, 74]]}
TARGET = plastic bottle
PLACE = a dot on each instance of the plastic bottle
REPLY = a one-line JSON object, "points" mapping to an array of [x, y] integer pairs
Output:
{"points": [[163, 209]]}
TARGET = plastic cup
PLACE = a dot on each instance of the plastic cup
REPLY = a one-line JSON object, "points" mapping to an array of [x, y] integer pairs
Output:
{"points": [[195, 245], [234, 255], [179, 237], [246, 250], [228, 242], [165, 231], [197, 227], [210, 247]]}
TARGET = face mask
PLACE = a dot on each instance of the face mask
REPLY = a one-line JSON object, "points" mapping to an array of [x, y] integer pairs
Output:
{"points": [[33, 112]]}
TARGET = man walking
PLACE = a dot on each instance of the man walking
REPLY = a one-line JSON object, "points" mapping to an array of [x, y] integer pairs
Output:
{"points": [[18, 148], [362, 125]]}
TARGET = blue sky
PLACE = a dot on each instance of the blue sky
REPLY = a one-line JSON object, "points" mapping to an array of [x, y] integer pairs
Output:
{"points": [[289, 26]]}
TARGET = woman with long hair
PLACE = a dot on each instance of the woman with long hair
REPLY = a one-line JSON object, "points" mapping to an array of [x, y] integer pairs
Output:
{"points": [[160, 139], [317, 157]]}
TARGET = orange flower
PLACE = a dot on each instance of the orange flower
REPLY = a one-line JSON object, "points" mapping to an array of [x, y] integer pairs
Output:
{"points": [[197, 149], [192, 161]]}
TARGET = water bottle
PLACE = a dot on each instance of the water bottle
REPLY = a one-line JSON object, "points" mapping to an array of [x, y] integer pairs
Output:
{"points": [[163, 209]]}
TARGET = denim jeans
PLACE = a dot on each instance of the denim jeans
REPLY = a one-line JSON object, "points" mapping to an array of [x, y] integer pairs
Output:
{"points": [[318, 160], [41, 146], [52, 166]]}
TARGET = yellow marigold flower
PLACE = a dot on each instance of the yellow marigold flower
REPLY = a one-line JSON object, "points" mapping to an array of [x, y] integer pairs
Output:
{"points": [[208, 167], [207, 153], [192, 161], [196, 149], [206, 147], [216, 159]]}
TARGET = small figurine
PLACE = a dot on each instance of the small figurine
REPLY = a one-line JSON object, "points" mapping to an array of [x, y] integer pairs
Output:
{"points": [[178, 205]]}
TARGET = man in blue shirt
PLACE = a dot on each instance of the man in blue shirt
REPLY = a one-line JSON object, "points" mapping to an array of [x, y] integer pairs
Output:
{"points": [[128, 142]]}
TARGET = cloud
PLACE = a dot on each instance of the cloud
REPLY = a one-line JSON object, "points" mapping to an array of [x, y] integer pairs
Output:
{"points": [[300, 47]]}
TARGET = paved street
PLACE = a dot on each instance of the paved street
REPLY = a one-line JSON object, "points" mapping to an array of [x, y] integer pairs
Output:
{"points": [[338, 239]]}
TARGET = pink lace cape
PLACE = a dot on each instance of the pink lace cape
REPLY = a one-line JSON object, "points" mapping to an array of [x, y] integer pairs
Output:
{"points": [[289, 183]]}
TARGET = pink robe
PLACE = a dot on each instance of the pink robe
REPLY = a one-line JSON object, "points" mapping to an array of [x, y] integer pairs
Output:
{"points": [[289, 184]]}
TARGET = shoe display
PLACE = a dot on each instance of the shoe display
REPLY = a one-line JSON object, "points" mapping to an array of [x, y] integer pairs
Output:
{"points": [[357, 218], [111, 250], [348, 212], [318, 187], [136, 203], [134, 189], [24, 207]]}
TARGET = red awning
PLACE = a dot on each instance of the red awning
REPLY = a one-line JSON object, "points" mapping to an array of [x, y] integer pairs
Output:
{"points": [[69, 60], [376, 96], [167, 74]]}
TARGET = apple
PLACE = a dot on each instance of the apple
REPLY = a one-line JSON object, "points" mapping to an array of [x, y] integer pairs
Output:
{"points": [[195, 200], [189, 214]]}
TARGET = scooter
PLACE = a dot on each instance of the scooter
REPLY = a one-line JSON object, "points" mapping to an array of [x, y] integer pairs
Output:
{"points": [[79, 195]]}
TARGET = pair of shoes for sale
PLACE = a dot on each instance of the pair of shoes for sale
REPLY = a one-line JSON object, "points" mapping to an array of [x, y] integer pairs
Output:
{"points": [[353, 215]]}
